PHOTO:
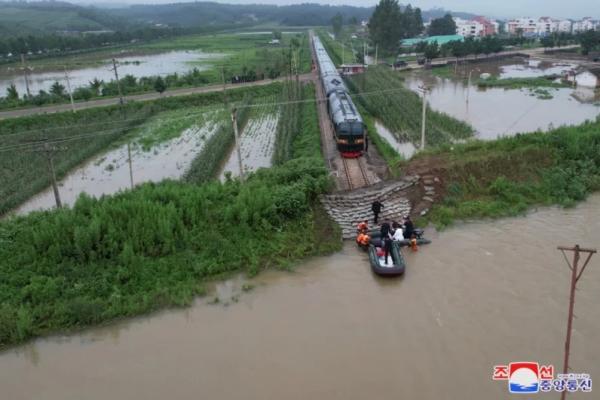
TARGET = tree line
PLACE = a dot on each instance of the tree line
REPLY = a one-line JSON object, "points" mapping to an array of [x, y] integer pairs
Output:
{"points": [[390, 23]]}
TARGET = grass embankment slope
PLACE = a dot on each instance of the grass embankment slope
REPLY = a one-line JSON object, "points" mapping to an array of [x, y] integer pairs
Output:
{"points": [[155, 246], [506, 177]]}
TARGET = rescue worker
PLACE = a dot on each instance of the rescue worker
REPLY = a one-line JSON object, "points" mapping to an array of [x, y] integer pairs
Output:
{"points": [[387, 247], [385, 230], [409, 228], [363, 240], [363, 226], [413, 243], [376, 208]]}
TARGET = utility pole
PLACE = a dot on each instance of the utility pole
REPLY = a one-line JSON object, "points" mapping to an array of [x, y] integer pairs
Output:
{"points": [[237, 142], [224, 86], [118, 82], [49, 156], [575, 275], [69, 89], [424, 118], [24, 68], [469, 86], [376, 54], [343, 53], [129, 161]]}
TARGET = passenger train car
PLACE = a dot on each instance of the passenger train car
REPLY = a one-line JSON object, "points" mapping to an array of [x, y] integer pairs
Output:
{"points": [[350, 131]]}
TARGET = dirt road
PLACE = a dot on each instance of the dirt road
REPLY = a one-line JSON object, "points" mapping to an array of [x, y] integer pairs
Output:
{"points": [[137, 97]]}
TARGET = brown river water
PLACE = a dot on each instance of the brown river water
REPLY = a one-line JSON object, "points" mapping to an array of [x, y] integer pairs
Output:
{"points": [[483, 293]]}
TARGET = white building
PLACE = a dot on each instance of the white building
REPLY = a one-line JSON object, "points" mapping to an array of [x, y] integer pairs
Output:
{"points": [[546, 26], [468, 28], [586, 78], [585, 24], [522, 25], [565, 25], [476, 27]]}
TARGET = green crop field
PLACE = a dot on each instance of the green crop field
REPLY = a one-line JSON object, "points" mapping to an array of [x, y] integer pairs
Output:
{"points": [[383, 94]]}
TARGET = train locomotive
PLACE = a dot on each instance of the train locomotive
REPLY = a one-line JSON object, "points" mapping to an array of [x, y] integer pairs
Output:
{"points": [[349, 129]]}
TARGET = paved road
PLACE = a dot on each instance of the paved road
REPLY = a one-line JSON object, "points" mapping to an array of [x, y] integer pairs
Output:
{"points": [[138, 97], [536, 52]]}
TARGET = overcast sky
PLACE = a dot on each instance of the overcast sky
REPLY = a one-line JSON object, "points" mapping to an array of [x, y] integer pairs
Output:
{"points": [[499, 8]]}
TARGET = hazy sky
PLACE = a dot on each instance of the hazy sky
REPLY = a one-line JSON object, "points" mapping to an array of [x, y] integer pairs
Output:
{"points": [[500, 8]]}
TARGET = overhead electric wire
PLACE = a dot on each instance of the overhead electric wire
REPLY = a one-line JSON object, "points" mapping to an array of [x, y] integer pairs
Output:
{"points": [[204, 110]]}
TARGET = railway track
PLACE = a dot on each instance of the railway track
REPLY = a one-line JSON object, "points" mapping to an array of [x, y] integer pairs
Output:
{"points": [[355, 173]]}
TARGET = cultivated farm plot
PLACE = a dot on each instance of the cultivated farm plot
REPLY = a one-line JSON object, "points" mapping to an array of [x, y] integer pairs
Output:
{"points": [[257, 143], [161, 149]]}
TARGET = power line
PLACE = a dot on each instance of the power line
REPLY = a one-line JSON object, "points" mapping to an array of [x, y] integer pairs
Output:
{"points": [[204, 110]]}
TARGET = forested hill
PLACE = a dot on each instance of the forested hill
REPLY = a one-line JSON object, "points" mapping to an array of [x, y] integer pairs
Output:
{"points": [[200, 13], [18, 18]]}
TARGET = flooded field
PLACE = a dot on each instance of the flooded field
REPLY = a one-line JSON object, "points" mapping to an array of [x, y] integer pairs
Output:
{"points": [[482, 294], [496, 112], [138, 66], [405, 149], [257, 143], [109, 173]]}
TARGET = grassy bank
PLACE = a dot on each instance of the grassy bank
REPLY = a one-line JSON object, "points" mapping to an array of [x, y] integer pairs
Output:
{"points": [[506, 177], [385, 97], [152, 247], [78, 136], [518, 83]]}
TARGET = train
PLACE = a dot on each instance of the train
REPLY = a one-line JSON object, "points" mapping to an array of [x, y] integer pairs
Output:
{"points": [[350, 132]]}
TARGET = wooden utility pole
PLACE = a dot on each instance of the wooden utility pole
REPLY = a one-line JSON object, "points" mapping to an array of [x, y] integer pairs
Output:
{"points": [[424, 117], [376, 54], [49, 156], [24, 68], [224, 86], [69, 89], [129, 161], [237, 142], [575, 275], [121, 101]]}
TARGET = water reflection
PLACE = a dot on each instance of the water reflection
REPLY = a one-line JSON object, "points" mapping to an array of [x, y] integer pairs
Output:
{"points": [[495, 112], [138, 66]]}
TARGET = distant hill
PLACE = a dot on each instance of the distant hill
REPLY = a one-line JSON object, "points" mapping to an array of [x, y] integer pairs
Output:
{"points": [[38, 18], [440, 12], [18, 18], [209, 13]]}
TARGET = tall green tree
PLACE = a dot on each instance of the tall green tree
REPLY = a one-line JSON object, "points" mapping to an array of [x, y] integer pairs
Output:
{"points": [[159, 85], [442, 26], [385, 25], [57, 89], [12, 93], [336, 23]]}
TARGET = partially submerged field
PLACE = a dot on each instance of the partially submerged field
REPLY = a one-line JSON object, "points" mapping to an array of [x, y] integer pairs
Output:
{"points": [[508, 176], [76, 137], [382, 93]]}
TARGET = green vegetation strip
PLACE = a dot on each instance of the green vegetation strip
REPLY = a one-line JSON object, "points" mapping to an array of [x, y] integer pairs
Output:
{"points": [[385, 97], [507, 176], [154, 247], [517, 83]]}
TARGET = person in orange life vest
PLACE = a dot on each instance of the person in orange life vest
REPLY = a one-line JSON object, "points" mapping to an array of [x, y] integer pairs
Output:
{"points": [[363, 226], [413, 243], [363, 240]]}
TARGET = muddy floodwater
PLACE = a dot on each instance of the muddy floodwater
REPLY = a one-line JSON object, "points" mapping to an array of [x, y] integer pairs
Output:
{"points": [[138, 66], [482, 294], [497, 112], [405, 149]]}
